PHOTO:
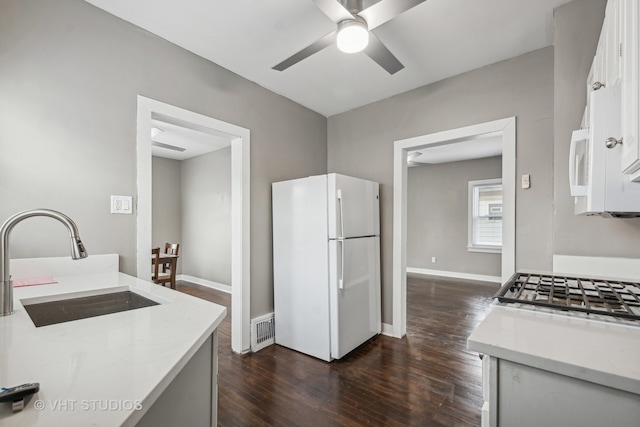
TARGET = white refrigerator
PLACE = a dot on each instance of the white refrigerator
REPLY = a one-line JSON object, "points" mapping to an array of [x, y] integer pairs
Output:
{"points": [[326, 264]]}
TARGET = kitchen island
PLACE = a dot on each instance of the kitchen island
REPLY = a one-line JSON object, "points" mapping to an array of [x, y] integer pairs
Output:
{"points": [[557, 368], [151, 366]]}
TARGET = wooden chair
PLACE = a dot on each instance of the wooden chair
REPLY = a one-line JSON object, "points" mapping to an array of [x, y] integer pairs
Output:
{"points": [[172, 249], [157, 276]]}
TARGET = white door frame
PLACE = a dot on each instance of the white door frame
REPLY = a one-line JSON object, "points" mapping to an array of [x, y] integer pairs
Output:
{"points": [[508, 128], [240, 199]]}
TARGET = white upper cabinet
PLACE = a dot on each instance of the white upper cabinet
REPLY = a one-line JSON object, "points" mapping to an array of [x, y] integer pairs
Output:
{"points": [[629, 12], [616, 63]]}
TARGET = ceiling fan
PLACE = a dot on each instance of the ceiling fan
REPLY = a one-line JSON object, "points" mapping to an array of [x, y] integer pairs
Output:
{"points": [[353, 32]]}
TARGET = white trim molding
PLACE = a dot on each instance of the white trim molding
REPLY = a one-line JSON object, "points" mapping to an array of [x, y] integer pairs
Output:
{"points": [[240, 207], [455, 275], [204, 282], [387, 329], [507, 129]]}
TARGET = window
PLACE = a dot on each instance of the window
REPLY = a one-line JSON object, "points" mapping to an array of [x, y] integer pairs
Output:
{"points": [[485, 215]]}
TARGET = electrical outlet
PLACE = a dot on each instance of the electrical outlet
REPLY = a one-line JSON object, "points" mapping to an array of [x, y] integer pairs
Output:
{"points": [[526, 181], [121, 204], [433, 259]]}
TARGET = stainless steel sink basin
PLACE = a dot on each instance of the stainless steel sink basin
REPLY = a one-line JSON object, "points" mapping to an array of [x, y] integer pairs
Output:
{"points": [[66, 310]]}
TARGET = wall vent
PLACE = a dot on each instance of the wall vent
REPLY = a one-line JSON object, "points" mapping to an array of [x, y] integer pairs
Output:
{"points": [[263, 332]]}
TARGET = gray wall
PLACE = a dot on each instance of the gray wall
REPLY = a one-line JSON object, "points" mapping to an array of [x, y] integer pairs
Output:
{"points": [[69, 77], [206, 216], [70, 73], [360, 143], [577, 28], [438, 216], [166, 210], [192, 206]]}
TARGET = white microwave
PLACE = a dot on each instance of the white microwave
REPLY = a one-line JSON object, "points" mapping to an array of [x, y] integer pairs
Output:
{"points": [[595, 177]]}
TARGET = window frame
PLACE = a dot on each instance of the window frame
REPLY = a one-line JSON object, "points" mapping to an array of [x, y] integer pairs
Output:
{"points": [[471, 215]]}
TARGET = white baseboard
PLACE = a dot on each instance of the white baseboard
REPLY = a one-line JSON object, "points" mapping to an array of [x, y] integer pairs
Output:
{"points": [[598, 267], [203, 282], [456, 275], [387, 330]]}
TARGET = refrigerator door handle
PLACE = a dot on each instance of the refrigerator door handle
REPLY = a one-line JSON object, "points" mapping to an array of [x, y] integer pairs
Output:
{"points": [[339, 196], [341, 279]]}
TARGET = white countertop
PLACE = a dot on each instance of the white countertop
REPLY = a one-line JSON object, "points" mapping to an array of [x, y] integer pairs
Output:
{"points": [[112, 361], [606, 353]]}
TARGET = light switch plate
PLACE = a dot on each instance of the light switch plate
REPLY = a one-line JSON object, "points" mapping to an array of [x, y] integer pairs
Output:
{"points": [[121, 204], [526, 181]]}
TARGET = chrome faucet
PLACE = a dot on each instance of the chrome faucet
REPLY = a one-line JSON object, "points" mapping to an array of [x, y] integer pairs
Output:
{"points": [[6, 287]]}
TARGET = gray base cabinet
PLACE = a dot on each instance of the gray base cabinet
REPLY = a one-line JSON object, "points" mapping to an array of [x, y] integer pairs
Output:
{"points": [[517, 395], [191, 399]]}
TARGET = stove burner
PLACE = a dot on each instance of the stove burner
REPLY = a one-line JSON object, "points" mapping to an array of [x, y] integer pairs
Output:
{"points": [[609, 297]]}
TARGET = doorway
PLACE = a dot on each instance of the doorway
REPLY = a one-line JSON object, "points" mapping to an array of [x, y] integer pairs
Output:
{"points": [[506, 128], [454, 210], [148, 109]]}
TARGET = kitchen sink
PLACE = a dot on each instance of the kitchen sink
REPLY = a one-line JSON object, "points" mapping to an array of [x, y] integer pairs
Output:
{"points": [[67, 309]]}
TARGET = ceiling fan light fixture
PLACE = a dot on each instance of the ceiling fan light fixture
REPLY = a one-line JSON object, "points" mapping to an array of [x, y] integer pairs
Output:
{"points": [[353, 35]]}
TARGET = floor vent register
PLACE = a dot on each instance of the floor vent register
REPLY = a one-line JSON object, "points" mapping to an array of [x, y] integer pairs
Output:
{"points": [[263, 332]]}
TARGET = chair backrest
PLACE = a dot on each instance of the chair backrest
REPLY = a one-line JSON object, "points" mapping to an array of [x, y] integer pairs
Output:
{"points": [[171, 248], [155, 252]]}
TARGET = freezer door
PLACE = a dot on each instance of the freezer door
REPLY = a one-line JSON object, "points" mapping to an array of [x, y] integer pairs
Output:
{"points": [[354, 271], [353, 207], [301, 266]]}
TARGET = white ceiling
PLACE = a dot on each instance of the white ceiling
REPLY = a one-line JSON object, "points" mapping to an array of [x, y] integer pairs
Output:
{"points": [[192, 140], [481, 146], [434, 40]]}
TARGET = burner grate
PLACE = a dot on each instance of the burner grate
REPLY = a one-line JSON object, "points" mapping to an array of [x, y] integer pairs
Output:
{"points": [[609, 297]]}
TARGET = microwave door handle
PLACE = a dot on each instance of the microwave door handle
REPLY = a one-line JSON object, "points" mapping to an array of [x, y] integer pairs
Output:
{"points": [[576, 137]]}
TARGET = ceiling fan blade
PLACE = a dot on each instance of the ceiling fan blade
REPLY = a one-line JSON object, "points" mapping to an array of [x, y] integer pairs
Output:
{"points": [[316, 46], [386, 10], [383, 56], [334, 10]]}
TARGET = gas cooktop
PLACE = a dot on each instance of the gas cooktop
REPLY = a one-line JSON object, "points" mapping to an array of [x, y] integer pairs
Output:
{"points": [[620, 299]]}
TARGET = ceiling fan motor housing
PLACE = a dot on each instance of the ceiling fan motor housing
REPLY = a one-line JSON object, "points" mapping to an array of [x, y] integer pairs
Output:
{"points": [[353, 6], [359, 20]]}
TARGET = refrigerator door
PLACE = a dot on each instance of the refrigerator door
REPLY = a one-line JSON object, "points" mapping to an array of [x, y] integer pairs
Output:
{"points": [[301, 266], [353, 207], [354, 289]]}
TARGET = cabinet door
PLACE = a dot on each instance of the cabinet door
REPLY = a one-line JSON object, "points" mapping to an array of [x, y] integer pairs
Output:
{"points": [[630, 13], [606, 66], [592, 78], [532, 397], [597, 75], [611, 34]]}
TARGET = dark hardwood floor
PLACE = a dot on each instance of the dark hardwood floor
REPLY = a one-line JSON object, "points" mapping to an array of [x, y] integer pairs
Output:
{"points": [[428, 378]]}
